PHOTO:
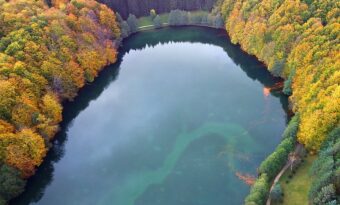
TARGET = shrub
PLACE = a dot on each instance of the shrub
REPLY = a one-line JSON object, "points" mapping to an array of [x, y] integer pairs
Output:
{"points": [[274, 162], [132, 22], [292, 127], [287, 88], [157, 22], [11, 184], [326, 195], [276, 194], [259, 191]]}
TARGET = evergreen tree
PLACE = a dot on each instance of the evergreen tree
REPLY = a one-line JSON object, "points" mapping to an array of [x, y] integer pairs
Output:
{"points": [[219, 23], [11, 182], [125, 29], [133, 23], [157, 22], [276, 193]]}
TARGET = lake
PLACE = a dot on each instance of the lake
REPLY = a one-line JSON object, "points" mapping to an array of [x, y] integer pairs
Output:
{"points": [[176, 121]]}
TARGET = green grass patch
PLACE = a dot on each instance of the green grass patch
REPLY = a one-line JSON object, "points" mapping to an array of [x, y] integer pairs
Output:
{"points": [[147, 21], [296, 190], [144, 21]]}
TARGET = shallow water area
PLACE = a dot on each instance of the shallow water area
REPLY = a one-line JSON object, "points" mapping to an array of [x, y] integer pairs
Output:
{"points": [[172, 122]]}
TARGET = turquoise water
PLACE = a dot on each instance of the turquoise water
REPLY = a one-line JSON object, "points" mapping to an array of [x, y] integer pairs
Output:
{"points": [[171, 123]]}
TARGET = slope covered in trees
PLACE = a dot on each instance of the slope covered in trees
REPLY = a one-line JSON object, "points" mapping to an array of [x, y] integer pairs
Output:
{"points": [[46, 56], [299, 41], [143, 7]]}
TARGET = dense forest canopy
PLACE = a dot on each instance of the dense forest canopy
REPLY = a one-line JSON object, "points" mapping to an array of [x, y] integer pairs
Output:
{"points": [[143, 7], [46, 55], [299, 41], [49, 52]]}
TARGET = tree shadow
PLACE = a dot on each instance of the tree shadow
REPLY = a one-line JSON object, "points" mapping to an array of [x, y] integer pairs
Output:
{"points": [[249, 64]]}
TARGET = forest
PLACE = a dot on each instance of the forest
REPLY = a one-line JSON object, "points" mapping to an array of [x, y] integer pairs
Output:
{"points": [[46, 56], [299, 41], [48, 53], [143, 7]]}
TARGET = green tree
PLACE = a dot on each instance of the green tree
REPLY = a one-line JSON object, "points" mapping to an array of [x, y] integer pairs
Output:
{"points": [[292, 127], [218, 21], [11, 184], [287, 88], [174, 17], [133, 23], [125, 29], [259, 191], [157, 22], [178, 17], [275, 161], [278, 67], [276, 194], [326, 195]]}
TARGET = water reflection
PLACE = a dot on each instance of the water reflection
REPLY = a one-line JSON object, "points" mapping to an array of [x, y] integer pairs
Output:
{"points": [[254, 70]]}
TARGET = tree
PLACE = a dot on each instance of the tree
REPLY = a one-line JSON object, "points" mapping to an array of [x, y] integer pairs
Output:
{"points": [[259, 191], [6, 127], [287, 88], [133, 23], [178, 17], [119, 18], [51, 108], [108, 18], [327, 179], [45, 55], [297, 41], [292, 127], [184, 18], [23, 150], [7, 99], [174, 17], [125, 29], [157, 22], [275, 161], [204, 20], [218, 21], [11, 183], [153, 14], [276, 193], [326, 195], [278, 67]]}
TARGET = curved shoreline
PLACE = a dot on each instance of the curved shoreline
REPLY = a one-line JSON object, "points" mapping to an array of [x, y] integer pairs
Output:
{"points": [[123, 51]]}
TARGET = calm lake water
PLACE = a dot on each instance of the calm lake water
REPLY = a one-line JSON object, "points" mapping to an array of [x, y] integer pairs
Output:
{"points": [[171, 123]]}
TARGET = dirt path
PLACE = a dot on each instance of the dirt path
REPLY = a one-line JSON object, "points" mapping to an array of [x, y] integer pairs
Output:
{"points": [[150, 26], [297, 151]]}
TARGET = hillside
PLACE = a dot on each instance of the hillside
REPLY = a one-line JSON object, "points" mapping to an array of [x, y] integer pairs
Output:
{"points": [[299, 41], [48, 53], [46, 56], [143, 7]]}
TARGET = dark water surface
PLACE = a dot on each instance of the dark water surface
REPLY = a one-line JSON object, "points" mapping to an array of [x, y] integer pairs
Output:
{"points": [[171, 123]]}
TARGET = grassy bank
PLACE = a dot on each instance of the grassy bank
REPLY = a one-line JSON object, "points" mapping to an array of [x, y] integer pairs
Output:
{"points": [[146, 21], [296, 186]]}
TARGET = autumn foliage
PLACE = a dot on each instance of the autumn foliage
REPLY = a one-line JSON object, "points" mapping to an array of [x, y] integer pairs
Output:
{"points": [[46, 55], [298, 40]]}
